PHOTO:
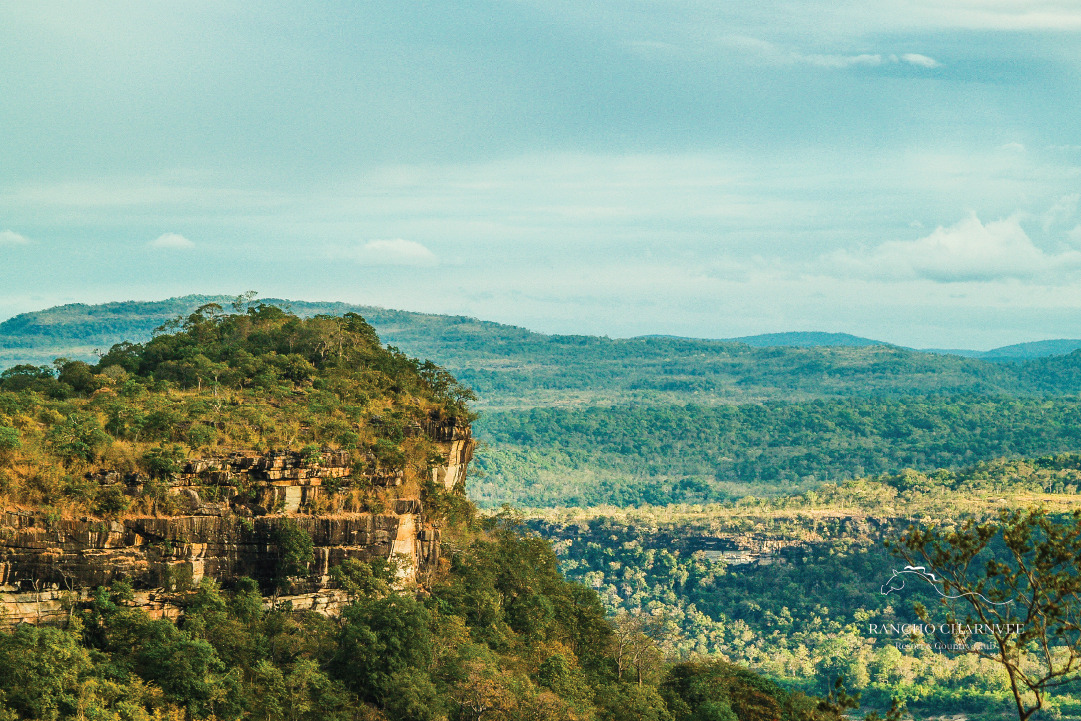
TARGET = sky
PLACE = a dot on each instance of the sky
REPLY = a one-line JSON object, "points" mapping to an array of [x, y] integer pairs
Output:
{"points": [[906, 170]]}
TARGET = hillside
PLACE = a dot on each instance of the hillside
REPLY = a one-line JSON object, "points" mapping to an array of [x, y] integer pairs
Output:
{"points": [[256, 515], [1035, 349], [805, 339], [510, 367], [261, 445], [665, 454]]}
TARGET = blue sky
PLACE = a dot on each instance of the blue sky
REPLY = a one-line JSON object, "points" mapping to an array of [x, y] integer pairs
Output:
{"points": [[908, 170]]}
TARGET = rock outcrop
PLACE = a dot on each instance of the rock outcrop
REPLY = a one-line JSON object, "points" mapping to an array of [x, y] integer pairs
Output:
{"points": [[46, 564]]}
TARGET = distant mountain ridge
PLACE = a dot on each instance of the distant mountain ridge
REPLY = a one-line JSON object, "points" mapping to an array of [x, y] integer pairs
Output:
{"points": [[81, 327], [512, 367], [820, 339], [807, 339], [1033, 349]]}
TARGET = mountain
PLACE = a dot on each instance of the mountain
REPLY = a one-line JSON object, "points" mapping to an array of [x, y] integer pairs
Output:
{"points": [[805, 339], [255, 515], [76, 330], [512, 367], [1016, 352], [955, 351], [575, 419], [1034, 349]]}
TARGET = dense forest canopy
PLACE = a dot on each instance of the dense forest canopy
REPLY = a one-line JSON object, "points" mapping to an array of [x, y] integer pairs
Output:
{"points": [[500, 635], [788, 585], [582, 420], [497, 632], [666, 454]]}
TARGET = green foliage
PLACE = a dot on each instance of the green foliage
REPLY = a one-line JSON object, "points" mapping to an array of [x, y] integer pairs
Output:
{"points": [[631, 702], [40, 379], [1017, 577], [512, 367], [409, 695], [111, 501], [40, 670], [79, 376], [209, 383], [390, 655], [635, 455], [9, 439], [163, 462], [361, 579], [78, 438], [383, 644], [718, 691], [798, 608], [294, 550]]}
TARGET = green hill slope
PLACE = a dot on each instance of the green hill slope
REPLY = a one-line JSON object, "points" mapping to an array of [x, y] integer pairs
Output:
{"points": [[514, 367]]}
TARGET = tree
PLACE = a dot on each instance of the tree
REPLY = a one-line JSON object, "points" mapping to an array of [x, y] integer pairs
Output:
{"points": [[79, 437], [1014, 580], [295, 551], [40, 671], [631, 702], [362, 579], [482, 691], [9, 440], [634, 644], [378, 638], [719, 691]]}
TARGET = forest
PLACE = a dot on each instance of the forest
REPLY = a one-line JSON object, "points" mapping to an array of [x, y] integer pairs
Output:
{"points": [[788, 586], [495, 632], [659, 455], [512, 367], [722, 516], [263, 379]]}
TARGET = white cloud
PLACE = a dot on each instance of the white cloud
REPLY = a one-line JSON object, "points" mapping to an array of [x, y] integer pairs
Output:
{"points": [[839, 61], [395, 252], [10, 237], [1011, 15], [1062, 212], [172, 241], [967, 251], [920, 60], [780, 55]]}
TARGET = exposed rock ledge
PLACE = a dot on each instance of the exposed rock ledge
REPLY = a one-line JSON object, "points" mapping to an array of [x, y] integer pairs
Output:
{"points": [[47, 564]]}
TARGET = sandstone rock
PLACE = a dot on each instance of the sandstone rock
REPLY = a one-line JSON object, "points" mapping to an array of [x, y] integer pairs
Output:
{"points": [[46, 565]]}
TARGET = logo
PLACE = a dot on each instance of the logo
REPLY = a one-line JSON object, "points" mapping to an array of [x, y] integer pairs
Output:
{"points": [[897, 582]]}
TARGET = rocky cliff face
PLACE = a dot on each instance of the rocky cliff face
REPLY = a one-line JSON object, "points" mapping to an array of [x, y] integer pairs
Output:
{"points": [[48, 563]]}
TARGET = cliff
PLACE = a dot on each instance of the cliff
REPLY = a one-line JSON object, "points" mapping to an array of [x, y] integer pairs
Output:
{"points": [[48, 563]]}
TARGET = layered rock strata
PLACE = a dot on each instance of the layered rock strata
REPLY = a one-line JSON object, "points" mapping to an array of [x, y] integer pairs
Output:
{"points": [[225, 517]]}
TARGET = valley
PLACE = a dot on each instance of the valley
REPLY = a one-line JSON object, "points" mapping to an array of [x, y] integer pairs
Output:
{"points": [[724, 500]]}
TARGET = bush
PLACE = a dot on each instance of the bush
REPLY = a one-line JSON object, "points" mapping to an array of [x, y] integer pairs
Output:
{"points": [[111, 501], [164, 462], [9, 439], [79, 437]]}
